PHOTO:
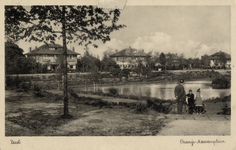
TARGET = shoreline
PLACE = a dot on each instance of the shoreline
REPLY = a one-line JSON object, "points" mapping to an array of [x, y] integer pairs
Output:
{"points": [[142, 82]]}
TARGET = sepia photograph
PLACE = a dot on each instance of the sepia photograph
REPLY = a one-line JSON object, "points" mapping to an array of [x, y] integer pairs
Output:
{"points": [[84, 70]]}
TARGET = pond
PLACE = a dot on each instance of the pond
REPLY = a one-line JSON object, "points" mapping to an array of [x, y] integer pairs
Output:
{"points": [[166, 90]]}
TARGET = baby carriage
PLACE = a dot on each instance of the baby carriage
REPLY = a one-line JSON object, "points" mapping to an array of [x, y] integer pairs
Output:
{"points": [[202, 110]]}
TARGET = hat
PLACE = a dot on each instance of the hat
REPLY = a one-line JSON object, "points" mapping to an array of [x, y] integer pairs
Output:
{"points": [[181, 81], [190, 90], [198, 90]]}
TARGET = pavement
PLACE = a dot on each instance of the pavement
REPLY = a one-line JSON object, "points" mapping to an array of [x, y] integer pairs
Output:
{"points": [[195, 125]]}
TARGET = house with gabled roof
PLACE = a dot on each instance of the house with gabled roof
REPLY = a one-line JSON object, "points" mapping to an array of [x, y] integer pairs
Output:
{"points": [[49, 54], [216, 62], [129, 58]]}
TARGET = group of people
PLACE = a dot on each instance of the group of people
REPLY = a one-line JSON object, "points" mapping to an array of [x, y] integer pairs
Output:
{"points": [[194, 103]]}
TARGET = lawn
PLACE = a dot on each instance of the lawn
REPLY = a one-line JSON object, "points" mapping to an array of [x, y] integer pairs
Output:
{"points": [[28, 115]]}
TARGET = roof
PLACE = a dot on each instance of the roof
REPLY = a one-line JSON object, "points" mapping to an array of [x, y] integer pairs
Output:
{"points": [[44, 49], [218, 54], [130, 52]]}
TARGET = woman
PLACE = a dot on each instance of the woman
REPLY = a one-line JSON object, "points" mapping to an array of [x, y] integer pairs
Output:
{"points": [[198, 102]]}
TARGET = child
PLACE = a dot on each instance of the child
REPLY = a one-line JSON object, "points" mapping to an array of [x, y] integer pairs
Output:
{"points": [[190, 101], [198, 102]]}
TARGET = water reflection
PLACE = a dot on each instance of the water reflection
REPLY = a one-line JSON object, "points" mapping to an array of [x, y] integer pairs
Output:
{"points": [[166, 90]]}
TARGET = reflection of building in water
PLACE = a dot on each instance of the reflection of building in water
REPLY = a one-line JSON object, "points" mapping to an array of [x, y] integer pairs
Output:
{"points": [[153, 90], [125, 90], [146, 91], [162, 91]]}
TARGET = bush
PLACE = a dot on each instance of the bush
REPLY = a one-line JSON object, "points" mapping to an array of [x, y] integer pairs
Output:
{"points": [[113, 91], [220, 83], [26, 86], [9, 81], [114, 71], [13, 81], [124, 73], [37, 88], [140, 108]]}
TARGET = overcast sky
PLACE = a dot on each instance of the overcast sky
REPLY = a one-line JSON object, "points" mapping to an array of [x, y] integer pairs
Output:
{"points": [[192, 30]]}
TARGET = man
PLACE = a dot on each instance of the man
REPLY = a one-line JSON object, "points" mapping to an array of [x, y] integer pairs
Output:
{"points": [[180, 96]]}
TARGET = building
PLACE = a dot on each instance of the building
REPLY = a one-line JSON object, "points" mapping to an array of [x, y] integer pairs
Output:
{"points": [[49, 54], [215, 59], [129, 58]]}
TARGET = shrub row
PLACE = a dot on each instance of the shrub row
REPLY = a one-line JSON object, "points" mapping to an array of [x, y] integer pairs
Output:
{"points": [[139, 107], [114, 93], [220, 83]]}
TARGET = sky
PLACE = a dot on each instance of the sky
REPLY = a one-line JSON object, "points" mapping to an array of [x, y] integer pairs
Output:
{"points": [[191, 30]]}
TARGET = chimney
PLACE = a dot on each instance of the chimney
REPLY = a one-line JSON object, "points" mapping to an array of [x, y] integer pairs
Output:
{"points": [[30, 49], [73, 49]]}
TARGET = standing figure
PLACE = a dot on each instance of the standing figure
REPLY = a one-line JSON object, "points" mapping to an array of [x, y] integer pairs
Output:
{"points": [[190, 100], [198, 102], [180, 96]]}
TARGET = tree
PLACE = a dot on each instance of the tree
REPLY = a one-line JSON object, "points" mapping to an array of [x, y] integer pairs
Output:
{"points": [[108, 63], [222, 60], [15, 61], [138, 67], [163, 59], [205, 61], [190, 63], [89, 62], [170, 60], [196, 63], [14, 16], [182, 60], [79, 65], [82, 24]]}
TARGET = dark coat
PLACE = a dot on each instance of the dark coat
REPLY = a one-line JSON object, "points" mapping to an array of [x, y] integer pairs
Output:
{"points": [[190, 99], [180, 93]]}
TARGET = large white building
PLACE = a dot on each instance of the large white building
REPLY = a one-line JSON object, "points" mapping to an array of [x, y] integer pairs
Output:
{"points": [[129, 58], [49, 54]]}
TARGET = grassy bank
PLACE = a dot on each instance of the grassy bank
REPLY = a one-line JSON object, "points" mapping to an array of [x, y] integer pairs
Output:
{"points": [[29, 115]]}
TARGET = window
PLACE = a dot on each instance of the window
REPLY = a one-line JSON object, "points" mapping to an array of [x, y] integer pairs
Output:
{"points": [[71, 56], [71, 66], [44, 56]]}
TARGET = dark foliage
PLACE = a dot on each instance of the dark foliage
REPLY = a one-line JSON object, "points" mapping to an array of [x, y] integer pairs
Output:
{"points": [[221, 83], [112, 91]]}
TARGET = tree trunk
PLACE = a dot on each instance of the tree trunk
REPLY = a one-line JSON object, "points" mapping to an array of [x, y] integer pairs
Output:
{"points": [[66, 113]]}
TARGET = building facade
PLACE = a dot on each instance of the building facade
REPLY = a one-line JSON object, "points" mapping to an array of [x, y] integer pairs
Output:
{"points": [[51, 55], [129, 58], [215, 59]]}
